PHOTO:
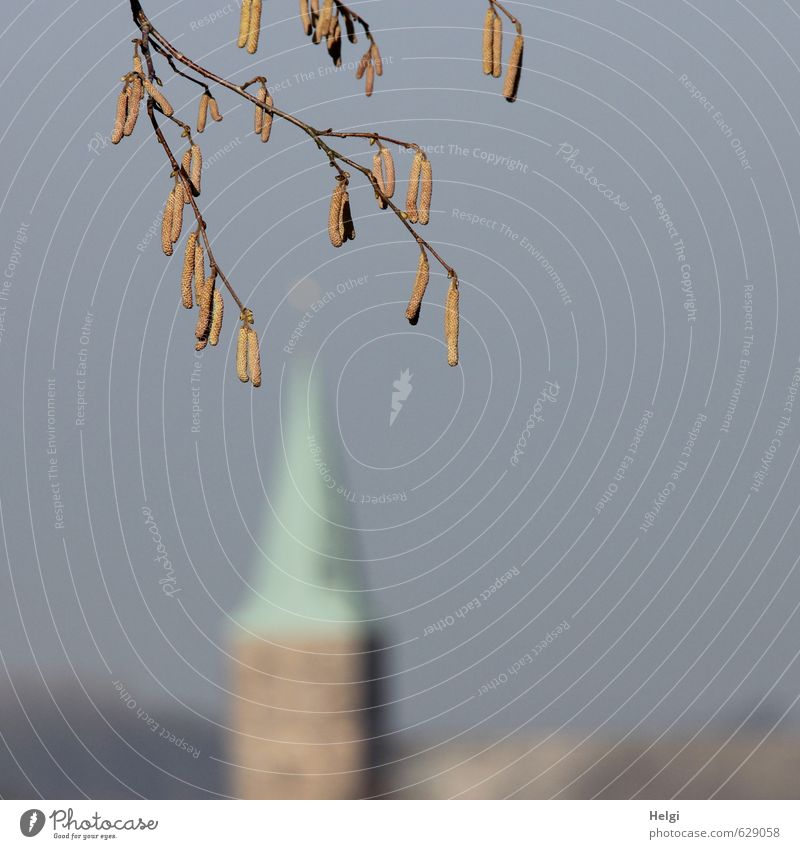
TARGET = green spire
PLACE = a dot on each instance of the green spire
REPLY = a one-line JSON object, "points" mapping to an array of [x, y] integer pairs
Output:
{"points": [[306, 579]]}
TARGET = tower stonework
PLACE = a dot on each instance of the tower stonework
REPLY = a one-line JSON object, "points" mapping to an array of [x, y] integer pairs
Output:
{"points": [[300, 713]]}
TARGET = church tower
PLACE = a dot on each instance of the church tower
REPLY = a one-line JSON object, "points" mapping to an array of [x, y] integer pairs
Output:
{"points": [[301, 713]]}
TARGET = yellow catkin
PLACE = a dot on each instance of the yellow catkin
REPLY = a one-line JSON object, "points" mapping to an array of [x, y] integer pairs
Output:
{"points": [[196, 167], [488, 37], [255, 26], [119, 118], [425, 191], [244, 23], [451, 322], [158, 97], [204, 304], [376, 59], [305, 17], [335, 232], [377, 173], [137, 65], [511, 85], [369, 86], [177, 212], [388, 168], [217, 311], [420, 285], [186, 164], [253, 358], [166, 225], [413, 188], [202, 111], [346, 226], [241, 355], [199, 267], [266, 124], [324, 22], [213, 108], [188, 271], [135, 90], [258, 120], [497, 46], [362, 65]]}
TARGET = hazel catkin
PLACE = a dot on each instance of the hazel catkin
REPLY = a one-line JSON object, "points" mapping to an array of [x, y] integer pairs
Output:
{"points": [[166, 224], [195, 167], [119, 118], [241, 355], [488, 37], [413, 187], [305, 17], [199, 267], [254, 30], [177, 211], [420, 285], [213, 108], [204, 302], [202, 111], [244, 23], [375, 55], [425, 191], [253, 358], [346, 226], [158, 97], [497, 46], [217, 310], [135, 90], [511, 85], [335, 229], [451, 322], [369, 85], [266, 121], [388, 168], [187, 274]]}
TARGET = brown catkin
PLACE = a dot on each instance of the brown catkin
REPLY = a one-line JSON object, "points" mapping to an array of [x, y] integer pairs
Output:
{"points": [[497, 46], [177, 212], [350, 28], [305, 17], [186, 165], [425, 191], [213, 108], [202, 111], [188, 271], [369, 87], [332, 27], [166, 224], [335, 232], [199, 267], [258, 120], [377, 173], [119, 118], [244, 23], [413, 188], [217, 310], [266, 124], [137, 65], [488, 36], [376, 58], [255, 26], [388, 167], [253, 358], [204, 304], [324, 22], [511, 85], [346, 226], [196, 167], [362, 65], [135, 90], [420, 285], [241, 355], [451, 322], [159, 98]]}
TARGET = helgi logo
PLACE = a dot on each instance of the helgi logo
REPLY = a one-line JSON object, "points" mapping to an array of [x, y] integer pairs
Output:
{"points": [[31, 822], [402, 389]]}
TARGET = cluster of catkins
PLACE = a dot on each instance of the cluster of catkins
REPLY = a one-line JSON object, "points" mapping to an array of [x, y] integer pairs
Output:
{"points": [[493, 53], [134, 85]]}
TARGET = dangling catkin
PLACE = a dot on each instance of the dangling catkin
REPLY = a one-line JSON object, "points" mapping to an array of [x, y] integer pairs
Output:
{"points": [[166, 224], [213, 108], [305, 17], [388, 166], [451, 322], [346, 226], [199, 267], [177, 211], [241, 355], [119, 118], [418, 292], [204, 305], [350, 28], [324, 22], [376, 58], [497, 46], [488, 37], [253, 358], [370, 76], [188, 271], [377, 173], [186, 165], [514, 72], [202, 111], [244, 23], [158, 97], [196, 167], [335, 231], [413, 188], [217, 310], [255, 26], [261, 97], [362, 65], [425, 192], [135, 90], [266, 123]]}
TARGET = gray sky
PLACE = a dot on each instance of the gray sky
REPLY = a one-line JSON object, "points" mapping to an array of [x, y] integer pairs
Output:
{"points": [[605, 228]]}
